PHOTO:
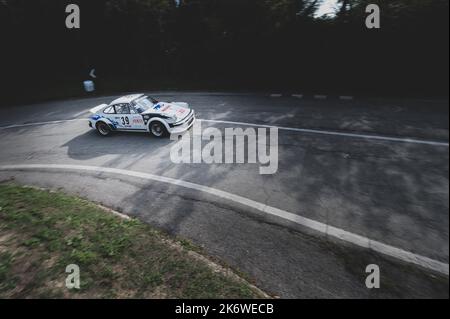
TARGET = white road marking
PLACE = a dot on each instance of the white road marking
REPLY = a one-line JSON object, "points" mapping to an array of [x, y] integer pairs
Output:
{"points": [[39, 123], [81, 113], [320, 97], [334, 133], [346, 97], [326, 229], [275, 95], [298, 96], [293, 129]]}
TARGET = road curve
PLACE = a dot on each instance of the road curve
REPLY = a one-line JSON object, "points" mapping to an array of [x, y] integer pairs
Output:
{"points": [[393, 192]]}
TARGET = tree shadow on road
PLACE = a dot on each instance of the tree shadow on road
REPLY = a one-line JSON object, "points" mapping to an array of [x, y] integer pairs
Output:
{"points": [[90, 145]]}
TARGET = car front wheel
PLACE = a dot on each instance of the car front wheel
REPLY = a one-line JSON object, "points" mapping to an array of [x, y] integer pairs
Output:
{"points": [[158, 129], [103, 129]]}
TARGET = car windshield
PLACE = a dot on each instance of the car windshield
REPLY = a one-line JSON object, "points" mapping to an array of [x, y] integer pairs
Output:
{"points": [[143, 104]]}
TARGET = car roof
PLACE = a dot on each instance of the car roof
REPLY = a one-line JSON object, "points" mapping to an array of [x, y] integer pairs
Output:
{"points": [[126, 99]]}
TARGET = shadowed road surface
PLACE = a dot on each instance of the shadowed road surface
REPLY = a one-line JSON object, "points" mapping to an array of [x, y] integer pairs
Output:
{"points": [[392, 192]]}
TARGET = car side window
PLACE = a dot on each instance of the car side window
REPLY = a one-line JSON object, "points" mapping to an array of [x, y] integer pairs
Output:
{"points": [[109, 110], [122, 108], [133, 110]]}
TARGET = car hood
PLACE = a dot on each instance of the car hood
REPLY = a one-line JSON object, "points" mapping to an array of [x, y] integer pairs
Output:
{"points": [[178, 111]]}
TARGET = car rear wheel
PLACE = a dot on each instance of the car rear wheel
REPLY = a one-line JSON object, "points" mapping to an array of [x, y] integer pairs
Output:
{"points": [[103, 129], [158, 129]]}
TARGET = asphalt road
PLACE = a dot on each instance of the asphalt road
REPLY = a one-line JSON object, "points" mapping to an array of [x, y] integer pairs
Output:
{"points": [[393, 192]]}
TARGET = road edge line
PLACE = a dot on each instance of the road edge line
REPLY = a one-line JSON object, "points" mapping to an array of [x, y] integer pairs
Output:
{"points": [[326, 229]]}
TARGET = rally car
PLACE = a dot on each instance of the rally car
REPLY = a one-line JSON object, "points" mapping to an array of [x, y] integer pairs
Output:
{"points": [[141, 113]]}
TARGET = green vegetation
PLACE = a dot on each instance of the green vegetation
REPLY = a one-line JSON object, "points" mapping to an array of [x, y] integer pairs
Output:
{"points": [[42, 232]]}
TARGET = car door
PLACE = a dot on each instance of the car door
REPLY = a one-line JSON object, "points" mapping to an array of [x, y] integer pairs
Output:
{"points": [[137, 121], [110, 114], [121, 117], [127, 118]]}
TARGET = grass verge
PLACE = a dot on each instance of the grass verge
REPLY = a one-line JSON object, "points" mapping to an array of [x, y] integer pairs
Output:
{"points": [[42, 232]]}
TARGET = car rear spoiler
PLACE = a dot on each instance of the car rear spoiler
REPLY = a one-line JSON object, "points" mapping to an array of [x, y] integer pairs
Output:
{"points": [[97, 108]]}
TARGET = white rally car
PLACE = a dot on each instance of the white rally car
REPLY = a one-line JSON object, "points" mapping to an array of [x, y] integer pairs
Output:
{"points": [[141, 113]]}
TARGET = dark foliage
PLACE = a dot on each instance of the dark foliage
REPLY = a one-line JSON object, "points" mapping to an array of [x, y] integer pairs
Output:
{"points": [[224, 44]]}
